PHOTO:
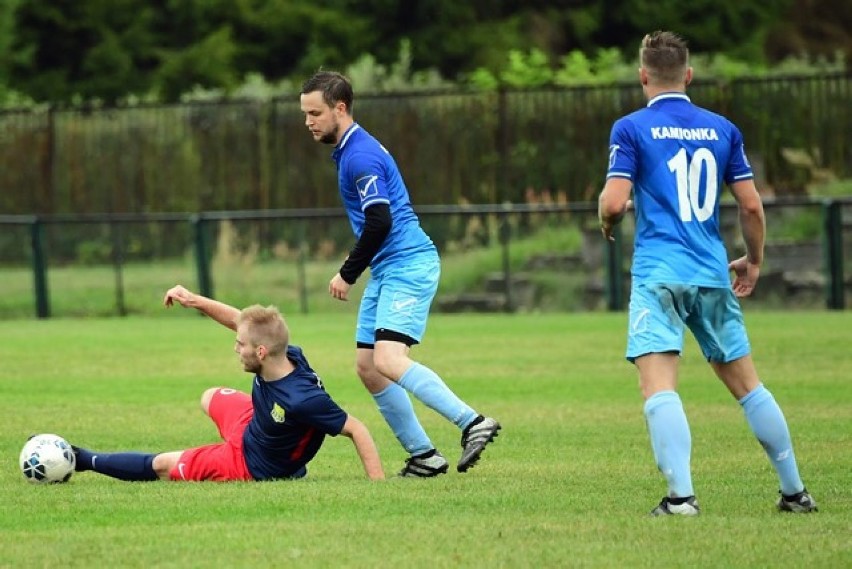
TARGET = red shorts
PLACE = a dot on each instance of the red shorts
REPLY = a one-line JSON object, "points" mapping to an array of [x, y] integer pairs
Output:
{"points": [[231, 410]]}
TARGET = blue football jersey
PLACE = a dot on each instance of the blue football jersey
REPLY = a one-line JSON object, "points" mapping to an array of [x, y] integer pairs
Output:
{"points": [[678, 157], [292, 416], [367, 174]]}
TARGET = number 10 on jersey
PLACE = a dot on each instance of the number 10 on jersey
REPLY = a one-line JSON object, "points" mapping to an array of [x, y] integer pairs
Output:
{"points": [[688, 174]]}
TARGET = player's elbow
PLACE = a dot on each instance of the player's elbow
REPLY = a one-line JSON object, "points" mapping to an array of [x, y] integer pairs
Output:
{"points": [[748, 198], [752, 208], [353, 428]]}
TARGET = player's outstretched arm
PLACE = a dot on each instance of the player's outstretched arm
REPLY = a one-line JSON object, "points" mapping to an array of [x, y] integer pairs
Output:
{"points": [[222, 313], [366, 447]]}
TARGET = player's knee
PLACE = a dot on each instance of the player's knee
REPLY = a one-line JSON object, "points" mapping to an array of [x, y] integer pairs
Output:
{"points": [[164, 463], [206, 397], [364, 369], [384, 366], [391, 364]]}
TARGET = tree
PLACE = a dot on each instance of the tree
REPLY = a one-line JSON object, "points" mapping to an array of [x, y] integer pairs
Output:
{"points": [[60, 50], [92, 49], [732, 27], [818, 28]]}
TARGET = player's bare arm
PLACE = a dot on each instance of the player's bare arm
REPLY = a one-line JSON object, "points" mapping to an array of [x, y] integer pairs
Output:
{"points": [[613, 203], [222, 313], [753, 226], [365, 446]]}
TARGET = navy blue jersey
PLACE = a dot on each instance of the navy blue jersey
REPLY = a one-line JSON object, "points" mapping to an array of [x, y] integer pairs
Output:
{"points": [[291, 417], [366, 175], [678, 157]]}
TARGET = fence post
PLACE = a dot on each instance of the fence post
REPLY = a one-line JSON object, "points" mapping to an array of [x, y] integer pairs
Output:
{"points": [[202, 255], [303, 278], [833, 248], [505, 231], [39, 269], [117, 265], [614, 288], [503, 145]]}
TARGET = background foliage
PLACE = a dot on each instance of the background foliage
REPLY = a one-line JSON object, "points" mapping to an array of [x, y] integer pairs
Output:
{"points": [[63, 51]]}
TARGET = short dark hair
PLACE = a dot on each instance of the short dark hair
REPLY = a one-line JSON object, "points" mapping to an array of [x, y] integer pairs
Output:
{"points": [[665, 55], [335, 87]]}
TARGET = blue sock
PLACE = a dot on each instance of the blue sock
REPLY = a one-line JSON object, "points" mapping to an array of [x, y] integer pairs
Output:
{"points": [[396, 408], [767, 422], [130, 466], [431, 390], [671, 441]]}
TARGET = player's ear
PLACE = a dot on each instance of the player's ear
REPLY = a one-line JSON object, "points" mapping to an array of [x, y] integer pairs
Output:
{"points": [[261, 351], [688, 76], [643, 76]]}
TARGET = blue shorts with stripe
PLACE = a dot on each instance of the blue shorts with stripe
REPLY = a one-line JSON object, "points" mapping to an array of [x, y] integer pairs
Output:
{"points": [[660, 313], [398, 299]]}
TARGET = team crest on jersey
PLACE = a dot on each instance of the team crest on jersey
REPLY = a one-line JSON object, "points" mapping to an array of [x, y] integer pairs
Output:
{"points": [[367, 186], [277, 413]]}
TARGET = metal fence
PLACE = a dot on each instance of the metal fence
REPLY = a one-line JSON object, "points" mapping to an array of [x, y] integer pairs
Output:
{"points": [[544, 257], [453, 148]]}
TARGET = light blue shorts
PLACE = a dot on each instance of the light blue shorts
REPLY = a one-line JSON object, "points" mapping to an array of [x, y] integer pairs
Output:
{"points": [[659, 314], [398, 300]]}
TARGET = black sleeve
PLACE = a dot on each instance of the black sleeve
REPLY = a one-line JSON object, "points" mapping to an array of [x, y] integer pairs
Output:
{"points": [[377, 225]]}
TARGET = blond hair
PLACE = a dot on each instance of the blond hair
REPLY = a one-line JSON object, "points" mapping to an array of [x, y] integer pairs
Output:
{"points": [[665, 57], [265, 327]]}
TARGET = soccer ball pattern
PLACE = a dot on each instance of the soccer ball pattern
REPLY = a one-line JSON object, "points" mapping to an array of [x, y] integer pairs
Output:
{"points": [[47, 459]]}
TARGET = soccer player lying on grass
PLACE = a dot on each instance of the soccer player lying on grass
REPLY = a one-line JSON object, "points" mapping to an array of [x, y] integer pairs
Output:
{"points": [[272, 433]]}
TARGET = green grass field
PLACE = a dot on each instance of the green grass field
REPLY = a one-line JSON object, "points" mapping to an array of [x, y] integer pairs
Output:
{"points": [[567, 484]]}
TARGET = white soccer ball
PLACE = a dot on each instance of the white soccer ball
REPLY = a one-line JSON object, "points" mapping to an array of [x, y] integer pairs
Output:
{"points": [[47, 459]]}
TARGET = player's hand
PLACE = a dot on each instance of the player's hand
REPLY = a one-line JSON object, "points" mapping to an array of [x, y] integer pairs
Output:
{"points": [[746, 276], [608, 226], [606, 231], [339, 288], [180, 294]]}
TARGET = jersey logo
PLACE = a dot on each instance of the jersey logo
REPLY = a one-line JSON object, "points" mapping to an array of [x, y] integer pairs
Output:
{"points": [[613, 150], [745, 158], [367, 186], [639, 321], [403, 304], [277, 413]]}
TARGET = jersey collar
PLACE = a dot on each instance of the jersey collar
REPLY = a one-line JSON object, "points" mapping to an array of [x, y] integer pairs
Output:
{"points": [[339, 148], [670, 95], [349, 131]]}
